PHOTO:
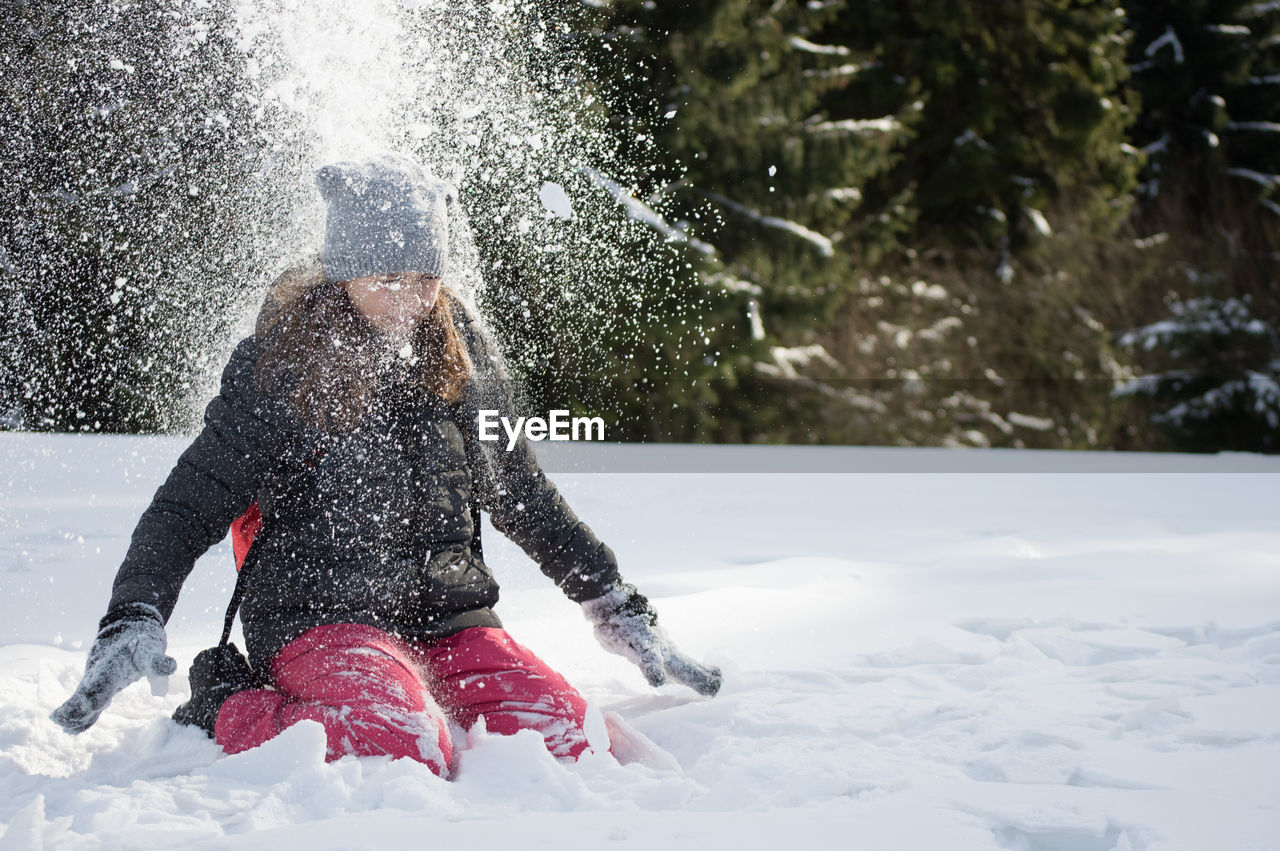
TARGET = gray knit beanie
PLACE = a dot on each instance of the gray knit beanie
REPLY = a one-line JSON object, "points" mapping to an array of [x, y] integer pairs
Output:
{"points": [[385, 215]]}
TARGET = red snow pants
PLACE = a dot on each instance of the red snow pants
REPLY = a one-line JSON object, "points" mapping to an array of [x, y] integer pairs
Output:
{"points": [[377, 694]]}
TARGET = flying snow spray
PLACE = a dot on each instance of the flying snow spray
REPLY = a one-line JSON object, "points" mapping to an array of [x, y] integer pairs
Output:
{"points": [[166, 161]]}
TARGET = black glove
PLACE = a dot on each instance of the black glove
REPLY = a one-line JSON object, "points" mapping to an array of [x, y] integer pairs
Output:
{"points": [[626, 624], [130, 645], [216, 674]]}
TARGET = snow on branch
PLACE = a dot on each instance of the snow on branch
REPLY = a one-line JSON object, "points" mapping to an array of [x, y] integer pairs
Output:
{"points": [[1029, 422], [824, 49], [1159, 146], [1228, 29], [788, 358], [1198, 316], [732, 284], [848, 70], [753, 317], [1257, 126], [1258, 10], [1038, 219], [903, 337], [786, 361], [1266, 180], [851, 126], [1149, 385], [970, 136], [849, 194], [1266, 394], [638, 211], [1257, 387], [1170, 39], [824, 245]]}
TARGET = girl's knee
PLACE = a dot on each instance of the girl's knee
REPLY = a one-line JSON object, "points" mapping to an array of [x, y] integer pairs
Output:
{"points": [[566, 740], [252, 718], [368, 731], [560, 722], [247, 719], [349, 664]]}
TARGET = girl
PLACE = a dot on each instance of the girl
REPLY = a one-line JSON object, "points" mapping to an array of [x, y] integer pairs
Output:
{"points": [[349, 417]]}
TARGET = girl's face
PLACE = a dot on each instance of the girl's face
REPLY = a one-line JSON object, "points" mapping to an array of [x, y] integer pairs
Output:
{"points": [[393, 303]]}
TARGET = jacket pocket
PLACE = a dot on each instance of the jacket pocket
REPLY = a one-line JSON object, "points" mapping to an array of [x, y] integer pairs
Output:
{"points": [[455, 580]]}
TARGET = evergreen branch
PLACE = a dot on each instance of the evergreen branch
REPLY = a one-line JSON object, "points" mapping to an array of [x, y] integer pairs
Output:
{"points": [[824, 244]]}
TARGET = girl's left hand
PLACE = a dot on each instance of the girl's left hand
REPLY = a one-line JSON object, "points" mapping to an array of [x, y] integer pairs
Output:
{"points": [[626, 624]]}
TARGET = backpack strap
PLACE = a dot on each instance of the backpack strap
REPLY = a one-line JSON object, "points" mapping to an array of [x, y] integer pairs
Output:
{"points": [[458, 411], [234, 606], [476, 548], [244, 529]]}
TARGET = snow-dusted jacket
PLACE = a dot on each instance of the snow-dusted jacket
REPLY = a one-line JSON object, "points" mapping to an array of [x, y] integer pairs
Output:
{"points": [[372, 526]]}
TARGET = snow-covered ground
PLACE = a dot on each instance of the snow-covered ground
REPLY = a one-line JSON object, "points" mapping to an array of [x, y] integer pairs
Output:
{"points": [[913, 660]]}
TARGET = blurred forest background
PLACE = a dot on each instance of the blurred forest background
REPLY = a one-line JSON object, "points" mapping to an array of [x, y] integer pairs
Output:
{"points": [[1017, 223]]}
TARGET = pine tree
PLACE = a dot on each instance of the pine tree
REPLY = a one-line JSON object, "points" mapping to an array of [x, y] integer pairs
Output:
{"points": [[1209, 78], [1020, 104], [758, 177], [987, 324]]}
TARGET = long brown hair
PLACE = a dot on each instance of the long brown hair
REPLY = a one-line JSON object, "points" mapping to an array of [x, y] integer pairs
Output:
{"points": [[309, 329]]}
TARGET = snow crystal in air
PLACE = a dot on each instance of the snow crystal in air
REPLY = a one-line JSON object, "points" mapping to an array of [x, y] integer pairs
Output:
{"points": [[553, 197]]}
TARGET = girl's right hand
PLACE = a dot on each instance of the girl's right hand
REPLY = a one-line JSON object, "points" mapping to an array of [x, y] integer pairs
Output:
{"points": [[130, 645]]}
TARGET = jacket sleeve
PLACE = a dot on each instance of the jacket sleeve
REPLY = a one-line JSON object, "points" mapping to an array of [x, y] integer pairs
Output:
{"points": [[214, 481], [522, 503]]}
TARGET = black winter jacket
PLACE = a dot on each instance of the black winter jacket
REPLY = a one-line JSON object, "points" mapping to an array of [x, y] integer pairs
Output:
{"points": [[370, 527]]}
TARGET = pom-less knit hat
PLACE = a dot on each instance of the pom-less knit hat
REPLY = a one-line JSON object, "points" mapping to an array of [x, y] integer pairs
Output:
{"points": [[385, 215]]}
